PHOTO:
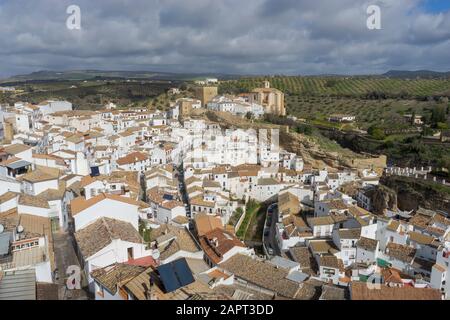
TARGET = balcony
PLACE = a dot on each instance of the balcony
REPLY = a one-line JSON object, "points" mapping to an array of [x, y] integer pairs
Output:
{"points": [[7, 263]]}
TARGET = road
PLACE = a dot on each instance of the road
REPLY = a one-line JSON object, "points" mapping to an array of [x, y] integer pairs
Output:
{"points": [[270, 239], [65, 256], [183, 191]]}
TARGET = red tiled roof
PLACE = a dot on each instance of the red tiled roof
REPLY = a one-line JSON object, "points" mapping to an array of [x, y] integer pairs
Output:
{"points": [[225, 242], [143, 262], [132, 158]]}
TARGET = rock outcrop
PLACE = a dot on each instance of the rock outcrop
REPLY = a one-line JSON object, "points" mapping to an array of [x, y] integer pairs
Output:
{"points": [[415, 193], [383, 199]]}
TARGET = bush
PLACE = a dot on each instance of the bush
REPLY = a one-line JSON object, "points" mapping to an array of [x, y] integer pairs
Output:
{"points": [[304, 129], [442, 126], [376, 133]]}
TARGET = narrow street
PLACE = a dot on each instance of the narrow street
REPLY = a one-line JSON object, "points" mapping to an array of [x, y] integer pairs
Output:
{"points": [[269, 240], [272, 235], [183, 191], [65, 256]]}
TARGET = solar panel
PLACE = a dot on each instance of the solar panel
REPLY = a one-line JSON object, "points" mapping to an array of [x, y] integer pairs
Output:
{"points": [[183, 272], [95, 172], [168, 278], [168, 197], [175, 275]]}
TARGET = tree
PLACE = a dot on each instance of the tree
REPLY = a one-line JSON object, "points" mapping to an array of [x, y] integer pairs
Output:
{"points": [[427, 131], [330, 83], [303, 129], [376, 132], [413, 118], [438, 114]]}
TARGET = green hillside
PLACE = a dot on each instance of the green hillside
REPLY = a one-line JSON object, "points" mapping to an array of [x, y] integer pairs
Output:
{"points": [[367, 87]]}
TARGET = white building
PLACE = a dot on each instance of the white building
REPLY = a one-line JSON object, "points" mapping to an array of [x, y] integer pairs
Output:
{"points": [[106, 241], [367, 251], [49, 107], [111, 206], [440, 275]]}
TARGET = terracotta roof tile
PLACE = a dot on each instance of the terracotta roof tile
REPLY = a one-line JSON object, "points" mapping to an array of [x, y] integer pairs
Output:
{"points": [[360, 291], [80, 204], [102, 232]]}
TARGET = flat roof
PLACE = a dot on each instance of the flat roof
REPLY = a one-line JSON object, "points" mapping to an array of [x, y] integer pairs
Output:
{"points": [[297, 276], [18, 285], [283, 262], [18, 164]]}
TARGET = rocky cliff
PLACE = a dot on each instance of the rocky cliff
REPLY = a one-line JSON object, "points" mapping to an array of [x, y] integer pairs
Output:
{"points": [[412, 193]]}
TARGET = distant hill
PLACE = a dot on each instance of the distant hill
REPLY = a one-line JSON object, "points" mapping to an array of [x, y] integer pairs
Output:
{"points": [[97, 74], [423, 74], [77, 75]]}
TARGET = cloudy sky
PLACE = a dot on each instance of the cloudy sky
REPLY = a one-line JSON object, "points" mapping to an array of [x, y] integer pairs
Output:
{"points": [[228, 36]]}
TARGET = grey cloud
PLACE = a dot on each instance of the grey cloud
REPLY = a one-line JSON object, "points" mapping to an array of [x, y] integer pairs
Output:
{"points": [[231, 36]]}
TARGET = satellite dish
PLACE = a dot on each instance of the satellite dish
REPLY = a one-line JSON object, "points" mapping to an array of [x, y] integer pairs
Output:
{"points": [[2, 228], [156, 254], [19, 229]]}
